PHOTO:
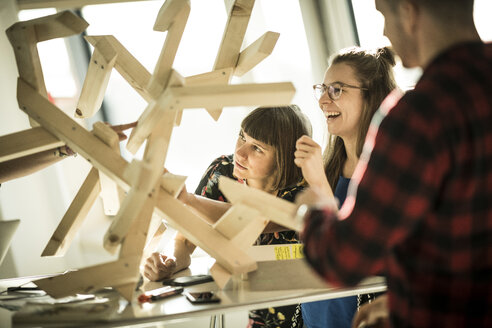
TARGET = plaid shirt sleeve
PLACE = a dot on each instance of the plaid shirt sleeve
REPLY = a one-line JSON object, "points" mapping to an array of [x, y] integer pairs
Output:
{"points": [[393, 189]]}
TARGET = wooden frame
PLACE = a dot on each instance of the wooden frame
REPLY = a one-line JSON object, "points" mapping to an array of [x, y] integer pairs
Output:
{"points": [[148, 189]]}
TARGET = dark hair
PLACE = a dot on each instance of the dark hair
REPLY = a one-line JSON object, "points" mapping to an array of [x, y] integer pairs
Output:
{"points": [[445, 11], [279, 127], [374, 71]]}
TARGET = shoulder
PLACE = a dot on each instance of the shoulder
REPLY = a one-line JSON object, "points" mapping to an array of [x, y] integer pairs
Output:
{"points": [[290, 193]]}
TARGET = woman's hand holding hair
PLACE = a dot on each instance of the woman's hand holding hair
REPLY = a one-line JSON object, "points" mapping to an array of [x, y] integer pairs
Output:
{"points": [[309, 158]]}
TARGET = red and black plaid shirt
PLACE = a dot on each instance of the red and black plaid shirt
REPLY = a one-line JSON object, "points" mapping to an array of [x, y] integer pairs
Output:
{"points": [[422, 212]]}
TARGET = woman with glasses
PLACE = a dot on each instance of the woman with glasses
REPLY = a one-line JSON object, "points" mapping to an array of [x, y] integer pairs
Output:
{"points": [[354, 86]]}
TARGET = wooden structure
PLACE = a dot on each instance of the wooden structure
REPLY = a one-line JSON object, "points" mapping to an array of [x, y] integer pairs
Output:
{"points": [[148, 189]]}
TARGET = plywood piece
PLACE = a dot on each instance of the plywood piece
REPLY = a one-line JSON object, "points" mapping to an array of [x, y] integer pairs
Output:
{"points": [[200, 233], [96, 81], [89, 279], [256, 52], [235, 220], [74, 217], [27, 142], [246, 237], [173, 184], [126, 64], [172, 17], [284, 275], [273, 208], [222, 277]]}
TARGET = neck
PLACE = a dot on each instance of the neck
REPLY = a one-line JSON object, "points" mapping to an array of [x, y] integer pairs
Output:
{"points": [[264, 185], [436, 38], [352, 158]]}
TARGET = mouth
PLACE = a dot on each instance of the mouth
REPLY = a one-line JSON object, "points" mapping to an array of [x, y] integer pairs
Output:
{"points": [[331, 115], [239, 166]]}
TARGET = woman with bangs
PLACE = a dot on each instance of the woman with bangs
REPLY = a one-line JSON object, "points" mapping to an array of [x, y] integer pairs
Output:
{"points": [[263, 159]]}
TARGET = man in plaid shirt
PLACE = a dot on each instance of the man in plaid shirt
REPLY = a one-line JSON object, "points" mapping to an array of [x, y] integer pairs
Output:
{"points": [[419, 209]]}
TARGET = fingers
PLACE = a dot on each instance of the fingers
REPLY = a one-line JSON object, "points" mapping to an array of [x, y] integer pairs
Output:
{"points": [[123, 127], [159, 266]]}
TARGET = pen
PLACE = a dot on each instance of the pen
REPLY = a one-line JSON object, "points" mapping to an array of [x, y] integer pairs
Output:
{"points": [[160, 293]]}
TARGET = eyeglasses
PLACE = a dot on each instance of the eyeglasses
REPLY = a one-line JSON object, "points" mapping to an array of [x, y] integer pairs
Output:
{"points": [[334, 90]]}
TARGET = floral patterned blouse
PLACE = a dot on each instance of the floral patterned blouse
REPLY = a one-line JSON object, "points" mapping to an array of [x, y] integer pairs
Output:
{"points": [[285, 316]]}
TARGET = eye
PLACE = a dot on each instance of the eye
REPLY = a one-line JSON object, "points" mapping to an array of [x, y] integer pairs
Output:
{"points": [[257, 149], [241, 136]]}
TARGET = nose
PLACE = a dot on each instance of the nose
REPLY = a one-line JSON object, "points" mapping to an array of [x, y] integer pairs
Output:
{"points": [[241, 151], [324, 99]]}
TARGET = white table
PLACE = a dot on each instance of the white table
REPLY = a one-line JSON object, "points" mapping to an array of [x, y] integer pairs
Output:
{"points": [[240, 298]]}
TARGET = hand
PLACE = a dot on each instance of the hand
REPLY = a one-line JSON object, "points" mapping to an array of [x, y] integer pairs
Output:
{"points": [[159, 266], [309, 158], [122, 127], [374, 314]]}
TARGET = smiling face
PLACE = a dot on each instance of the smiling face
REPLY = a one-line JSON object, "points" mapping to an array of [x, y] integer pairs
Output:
{"points": [[254, 161], [342, 115]]}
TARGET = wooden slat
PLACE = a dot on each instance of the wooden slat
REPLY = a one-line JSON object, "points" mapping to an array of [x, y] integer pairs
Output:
{"points": [[63, 4], [27, 142], [126, 64], [110, 192], [24, 37], [256, 52], [71, 222], [157, 116], [76, 137], [200, 233], [172, 17], [96, 80], [90, 279], [273, 208], [232, 39]]}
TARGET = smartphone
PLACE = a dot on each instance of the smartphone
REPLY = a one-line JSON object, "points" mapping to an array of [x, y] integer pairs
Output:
{"points": [[188, 280], [201, 297]]}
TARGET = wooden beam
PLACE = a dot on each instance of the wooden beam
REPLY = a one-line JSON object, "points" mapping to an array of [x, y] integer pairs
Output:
{"points": [[232, 39], [71, 222], [64, 4], [172, 17], [256, 52], [126, 64], [27, 142], [208, 96], [273, 208], [156, 117], [200, 233], [76, 137], [90, 279], [110, 192], [24, 37], [96, 80]]}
